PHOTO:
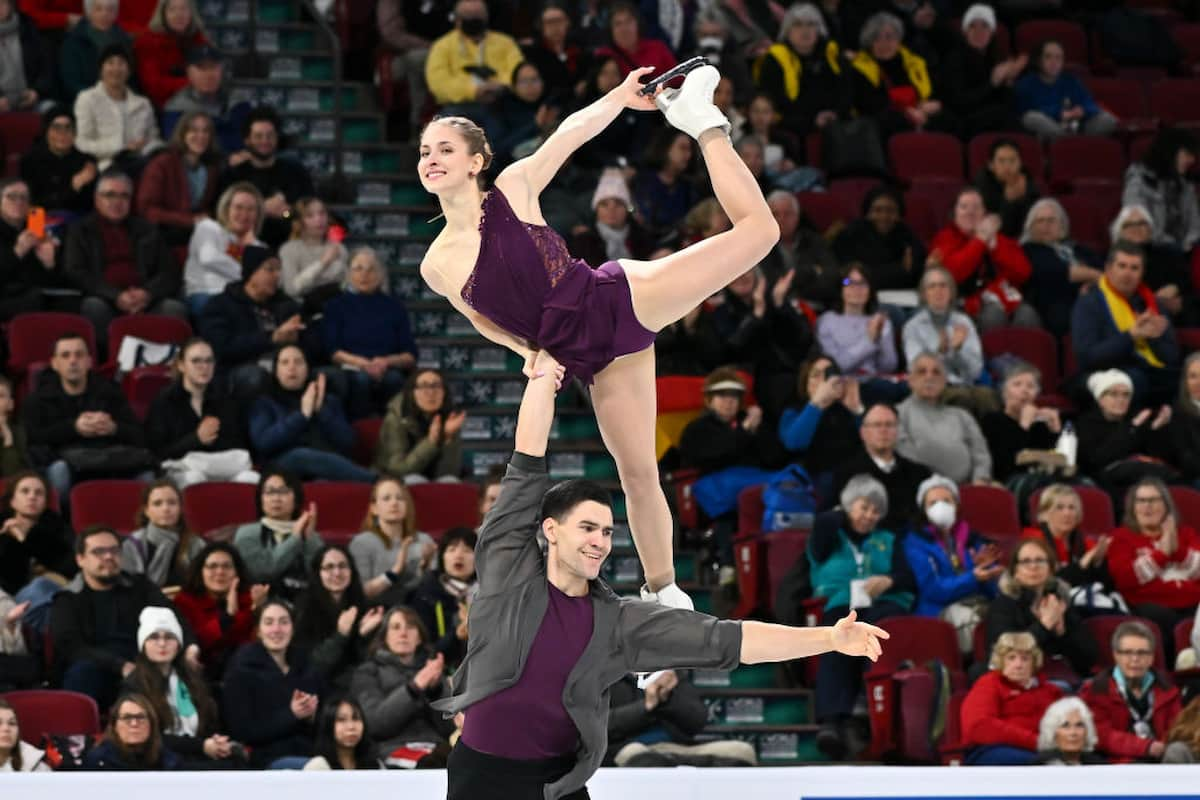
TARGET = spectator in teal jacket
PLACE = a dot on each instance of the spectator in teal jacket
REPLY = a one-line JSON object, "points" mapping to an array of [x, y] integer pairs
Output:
{"points": [[79, 56]]}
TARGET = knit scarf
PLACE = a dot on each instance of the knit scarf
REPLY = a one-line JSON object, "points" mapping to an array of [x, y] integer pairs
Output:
{"points": [[279, 528], [163, 544], [187, 718], [12, 63], [614, 241], [1123, 316], [670, 19]]}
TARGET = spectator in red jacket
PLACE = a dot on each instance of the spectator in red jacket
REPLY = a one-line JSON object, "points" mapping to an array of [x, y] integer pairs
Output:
{"points": [[629, 47], [1155, 560], [167, 195], [175, 28], [218, 603], [1134, 705], [989, 267], [1001, 713]]}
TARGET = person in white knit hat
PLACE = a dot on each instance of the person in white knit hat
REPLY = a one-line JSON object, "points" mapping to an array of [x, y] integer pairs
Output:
{"points": [[1112, 433], [615, 233], [978, 76]]}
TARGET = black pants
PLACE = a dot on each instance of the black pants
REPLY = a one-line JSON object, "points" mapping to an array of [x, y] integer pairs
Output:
{"points": [[472, 775]]}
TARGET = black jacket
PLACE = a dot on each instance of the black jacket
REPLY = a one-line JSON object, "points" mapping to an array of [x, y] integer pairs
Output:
{"points": [[1072, 571], [708, 444], [1185, 433], [36, 58], [84, 259], [73, 621], [49, 178], [901, 484], [966, 81], [425, 600], [683, 715], [50, 543], [822, 88], [1012, 610], [1110, 442], [1012, 212], [171, 423], [50, 415], [882, 256], [230, 322], [1006, 438], [257, 703]]}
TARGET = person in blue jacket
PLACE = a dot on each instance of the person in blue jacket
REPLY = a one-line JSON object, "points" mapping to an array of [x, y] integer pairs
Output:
{"points": [[299, 427], [1054, 103], [955, 567]]}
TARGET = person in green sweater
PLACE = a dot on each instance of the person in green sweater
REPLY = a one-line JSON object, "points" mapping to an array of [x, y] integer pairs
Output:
{"points": [[420, 440], [280, 546]]}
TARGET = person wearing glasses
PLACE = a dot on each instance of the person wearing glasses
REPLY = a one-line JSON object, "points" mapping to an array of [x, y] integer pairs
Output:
{"points": [[390, 554], [219, 602], [879, 430], [119, 261], [279, 548], [1134, 704], [860, 338], [94, 620], [334, 622], [419, 440], [1168, 268], [133, 741], [60, 175], [1034, 600], [28, 258]]}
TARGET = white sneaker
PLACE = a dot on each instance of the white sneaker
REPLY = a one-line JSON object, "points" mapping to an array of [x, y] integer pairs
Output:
{"points": [[690, 107], [670, 596]]}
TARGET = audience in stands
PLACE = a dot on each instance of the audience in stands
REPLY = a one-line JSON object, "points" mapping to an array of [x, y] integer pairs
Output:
{"points": [[300, 426], [367, 333], [1154, 559], [782, 151], [656, 726], [630, 46], [988, 267], [556, 52], [194, 427], [892, 83], [664, 190], [271, 693], [522, 117], [85, 43], [28, 77], [134, 740], [1007, 187], [205, 91], [946, 439], [279, 547], [280, 181], [17, 755], [1167, 270], [79, 425], [443, 597], [977, 80], [163, 547], [36, 546], [881, 243], [13, 445], [625, 138], [470, 67], [1120, 445], [730, 433], [1078, 557], [1052, 102], [615, 232], [391, 555], [343, 740], [174, 30], [819, 428], [18, 667], [397, 684], [179, 185], [333, 621], [217, 248], [878, 459], [1062, 268], [856, 564], [801, 253], [1135, 704], [408, 31], [119, 261], [218, 602], [860, 338], [1120, 326], [1021, 424], [178, 693], [59, 175], [1033, 599], [420, 436], [314, 260], [116, 124], [1002, 711], [1159, 183], [1067, 735], [94, 620], [28, 258], [1185, 421], [248, 321], [938, 327]]}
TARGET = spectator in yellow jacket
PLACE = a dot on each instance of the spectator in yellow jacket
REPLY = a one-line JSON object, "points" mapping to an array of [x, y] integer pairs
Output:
{"points": [[471, 66]]}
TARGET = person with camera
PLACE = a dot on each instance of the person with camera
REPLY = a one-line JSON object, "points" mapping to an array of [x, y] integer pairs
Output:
{"points": [[470, 67], [822, 428]]}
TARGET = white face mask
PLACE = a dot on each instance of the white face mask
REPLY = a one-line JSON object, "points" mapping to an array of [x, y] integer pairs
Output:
{"points": [[942, 514]]}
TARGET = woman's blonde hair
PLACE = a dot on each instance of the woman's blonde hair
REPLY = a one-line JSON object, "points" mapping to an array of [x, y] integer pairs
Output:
{"points": [[1015, 642], [299, 209], [158, 20], [696, 222], [371, 520], [241, 187], [1187, 727], [1052, 494]]}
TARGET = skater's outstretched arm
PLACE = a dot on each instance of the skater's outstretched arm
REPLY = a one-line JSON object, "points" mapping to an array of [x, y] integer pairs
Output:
{"points": [[535, 171], [762, 641]]}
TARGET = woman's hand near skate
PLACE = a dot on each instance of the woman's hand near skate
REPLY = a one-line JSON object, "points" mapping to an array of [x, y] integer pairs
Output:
{"points": [[630, 91]]}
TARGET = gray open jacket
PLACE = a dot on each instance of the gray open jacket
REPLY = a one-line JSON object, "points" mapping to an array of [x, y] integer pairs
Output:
{"points": [[627, 635]]}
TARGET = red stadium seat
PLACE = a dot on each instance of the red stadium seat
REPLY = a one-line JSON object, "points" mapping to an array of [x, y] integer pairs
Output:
{"points": [[1085, 160], [366, 439], [926, 155], [1035, 345], [142, 385], [53, 711], [679, 393], [918, 213], [1187, 504], [687, 510], [782, 550], [750, 511], [1098, 518], [825, 210], [19, 130], [1031, 153], [991, 510], [1102, 628], [1070, 35], [851, 191], [156, 328], [1089, 218], [114, 503], [31, 339], [1189, 338], [341, 508], [1125, 99], [441, 506], [1175, 100], [1187, 36], [218, 504], [1183, 634], [940, 196]]}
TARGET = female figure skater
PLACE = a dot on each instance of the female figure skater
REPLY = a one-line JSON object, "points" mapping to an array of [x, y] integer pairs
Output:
{"points": [[500, 265]]}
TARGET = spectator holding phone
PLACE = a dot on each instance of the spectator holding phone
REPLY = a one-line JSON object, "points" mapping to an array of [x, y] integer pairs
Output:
{"points": [[28, 252], [823, 426], [314, 260], [217, 247]]}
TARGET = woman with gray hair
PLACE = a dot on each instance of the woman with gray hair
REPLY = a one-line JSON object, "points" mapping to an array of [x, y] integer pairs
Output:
{"points": [[1067, 735], [855, 565], [939, 328], [804, 73], [1167, 270], [1061, 267], [1021, 424], [892, 83]]}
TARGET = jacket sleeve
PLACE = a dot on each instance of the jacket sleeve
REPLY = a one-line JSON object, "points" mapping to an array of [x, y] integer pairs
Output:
{"points": [[152, 202], [1111, 738], [961, 259], [394, 455], [507, 551], [1010, 261], [824, 540], [327, 654], [983, 725], [129, 429], [334, 426], [232, 344], [941, 590], [160, 268], [388, 710], [69, 645], [710, 445], [159, 435], [654, 637], [796, 429], [249, 722], [445, 85], [274, 429], [77, 263], [627, 720], [92, 135], [684, 710]]}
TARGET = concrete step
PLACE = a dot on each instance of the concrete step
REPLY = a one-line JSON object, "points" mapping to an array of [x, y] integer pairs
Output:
{"points": [[301, 95], [389, 220], [238, 11], [233, 38], [363, 158], [358, 127], [733, 707]]}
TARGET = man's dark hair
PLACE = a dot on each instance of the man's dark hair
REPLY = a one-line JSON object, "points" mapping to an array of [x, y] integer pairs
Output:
{"points": [[69, 336], [89, 532], [261, 114], [563, 497], [461, 534], [1128, 248], [888, 406]]}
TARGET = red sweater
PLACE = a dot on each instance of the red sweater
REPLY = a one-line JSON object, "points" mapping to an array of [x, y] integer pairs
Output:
{"points": [[1113, 719], [963, 254], [997, 711], [51, 15], [649, 53], [204, 615], [163, 195], [1144, 574], [161, 64]]}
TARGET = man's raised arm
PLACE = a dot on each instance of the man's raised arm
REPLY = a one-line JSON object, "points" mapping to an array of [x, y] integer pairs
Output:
{"points": [[537, 407]]}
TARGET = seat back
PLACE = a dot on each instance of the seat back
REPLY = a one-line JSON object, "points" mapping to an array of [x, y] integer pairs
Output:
{"points": [[1187, 503], [782, 550], [1102, 628], [1098, 518], [1076, 160], [825, 210], [1124, 97], [113, 503], [156, 328], [1070, 35], [991, 510], [366, 439], [980, 146], [341, 508], [1183, 634], [141, 385], [1175, 100], [53, 711], [19, 131], [441, 506], [926, 155], [218, 504], [750, 510], [31, 337]]}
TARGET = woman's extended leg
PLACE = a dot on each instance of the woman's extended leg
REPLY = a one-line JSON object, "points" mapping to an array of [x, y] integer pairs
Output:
{"points": [[666, 289], [623, 397]]}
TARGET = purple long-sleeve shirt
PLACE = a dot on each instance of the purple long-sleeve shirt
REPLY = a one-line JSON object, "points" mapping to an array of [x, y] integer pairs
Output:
{"points": [[843, 337]]}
